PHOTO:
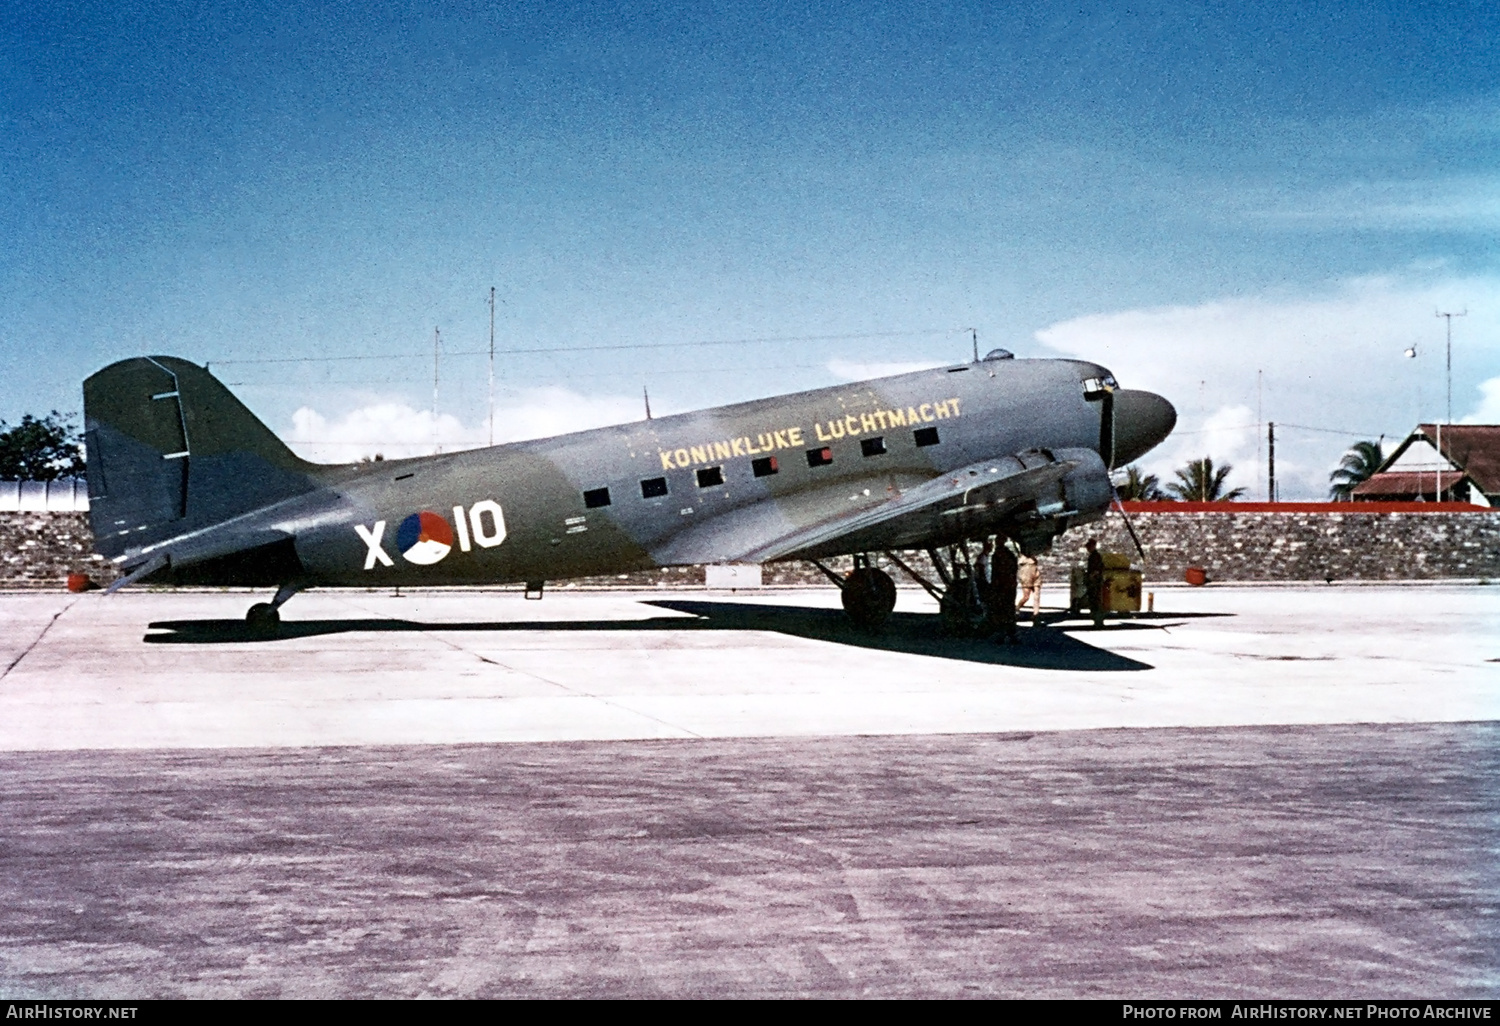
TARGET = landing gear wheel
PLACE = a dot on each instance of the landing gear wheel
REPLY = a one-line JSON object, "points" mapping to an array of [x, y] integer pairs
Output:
{"points": [[869, 596], [961, 613], [263, 618]]}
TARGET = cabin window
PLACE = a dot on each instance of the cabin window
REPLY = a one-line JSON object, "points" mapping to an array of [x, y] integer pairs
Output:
{"points": [[926, 436], [710, 477], [653, 487], [596, 497], [765, 466], [872, 446], [819, 457]]}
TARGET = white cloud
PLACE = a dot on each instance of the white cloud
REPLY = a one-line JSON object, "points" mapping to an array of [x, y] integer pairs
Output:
{"points": [[391, 429], [1332, 362], [1488, 411], [849, 370], [395, 430], [1230, 436]]}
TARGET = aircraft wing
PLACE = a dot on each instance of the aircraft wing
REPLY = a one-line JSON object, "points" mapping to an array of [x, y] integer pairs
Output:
{"points": [[957, 504]]}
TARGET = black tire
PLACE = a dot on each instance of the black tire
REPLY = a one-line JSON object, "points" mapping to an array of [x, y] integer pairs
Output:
{"points": [[263, 618], [959, 610], [869, 597]]}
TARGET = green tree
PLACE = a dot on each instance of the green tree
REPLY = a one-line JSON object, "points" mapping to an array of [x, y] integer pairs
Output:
{"points": [[1360, 462], [1138, 487], [1200, 482], [40, 449]]}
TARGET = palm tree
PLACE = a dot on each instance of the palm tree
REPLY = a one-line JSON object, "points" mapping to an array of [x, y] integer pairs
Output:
{"points": [[1139, 487], [1200, 482], [1360, 462]]}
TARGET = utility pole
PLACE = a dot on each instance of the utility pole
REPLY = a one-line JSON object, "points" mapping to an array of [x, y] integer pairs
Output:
{"points": [[492, 365], [1259, 418], [437, 446], [1271, 461]]}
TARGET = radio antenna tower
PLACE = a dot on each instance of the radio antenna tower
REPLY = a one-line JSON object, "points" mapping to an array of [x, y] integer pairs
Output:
{"points": [[437, 445], [1449, 318], [1437, 490], [492, 365]]}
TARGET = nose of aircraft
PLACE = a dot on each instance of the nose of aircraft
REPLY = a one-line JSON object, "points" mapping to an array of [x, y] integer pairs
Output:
{"points": [[1142, 420]]}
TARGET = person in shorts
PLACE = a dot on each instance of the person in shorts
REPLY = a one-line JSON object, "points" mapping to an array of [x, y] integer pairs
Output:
{"points": [[1029, 577]]}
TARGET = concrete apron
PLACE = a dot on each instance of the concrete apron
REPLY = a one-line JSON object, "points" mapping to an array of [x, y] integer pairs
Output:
{"points": [[357, 668]]}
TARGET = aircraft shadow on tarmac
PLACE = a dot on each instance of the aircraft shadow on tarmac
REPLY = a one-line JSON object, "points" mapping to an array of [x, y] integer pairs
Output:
{"points": [[1046, 646]]}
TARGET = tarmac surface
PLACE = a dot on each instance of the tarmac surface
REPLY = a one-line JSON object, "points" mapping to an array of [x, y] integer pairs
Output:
{"points": [[349, 668], [1260, 792]]}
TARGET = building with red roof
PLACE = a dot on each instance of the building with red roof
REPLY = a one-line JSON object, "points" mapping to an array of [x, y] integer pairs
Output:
{"points": [[1439, 463]]}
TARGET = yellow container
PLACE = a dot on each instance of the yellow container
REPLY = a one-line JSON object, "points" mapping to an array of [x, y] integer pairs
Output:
{"points": [[1122, 591], [1122, 586]]}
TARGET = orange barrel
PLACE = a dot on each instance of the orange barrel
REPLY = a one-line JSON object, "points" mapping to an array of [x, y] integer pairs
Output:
{"points": [[1195, 576]]}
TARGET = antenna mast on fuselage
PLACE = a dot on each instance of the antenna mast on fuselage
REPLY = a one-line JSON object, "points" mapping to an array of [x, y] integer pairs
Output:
{"points": [[437, 446]]}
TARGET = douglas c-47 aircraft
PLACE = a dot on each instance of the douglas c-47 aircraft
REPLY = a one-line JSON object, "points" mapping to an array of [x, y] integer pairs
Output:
{"points": [[186, 486]]}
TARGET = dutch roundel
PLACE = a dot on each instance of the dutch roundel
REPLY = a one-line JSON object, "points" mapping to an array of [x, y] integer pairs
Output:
{"points": [[424, 538]]}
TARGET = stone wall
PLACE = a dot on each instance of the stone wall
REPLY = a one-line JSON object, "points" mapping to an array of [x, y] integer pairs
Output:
{"points": [[39, 550], [1302, 546]]}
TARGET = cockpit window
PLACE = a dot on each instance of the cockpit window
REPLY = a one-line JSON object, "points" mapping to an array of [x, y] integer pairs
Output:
{"points": [[1093, 388]]}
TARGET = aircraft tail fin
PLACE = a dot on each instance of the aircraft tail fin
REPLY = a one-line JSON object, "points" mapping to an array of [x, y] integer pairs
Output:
{"points": [[170, 450]]}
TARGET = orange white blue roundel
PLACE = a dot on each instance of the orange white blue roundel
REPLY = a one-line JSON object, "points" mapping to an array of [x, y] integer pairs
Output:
{"points": [[424, 538]]}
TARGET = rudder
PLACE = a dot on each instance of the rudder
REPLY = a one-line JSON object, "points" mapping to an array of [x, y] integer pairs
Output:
{"points": [[170, 449]]}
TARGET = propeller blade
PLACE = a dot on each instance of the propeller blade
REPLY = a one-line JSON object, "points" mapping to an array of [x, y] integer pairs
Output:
{"points": [[1128, 525]]}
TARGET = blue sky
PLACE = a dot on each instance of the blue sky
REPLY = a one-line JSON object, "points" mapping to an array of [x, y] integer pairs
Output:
{"points": [[1203, 196]]}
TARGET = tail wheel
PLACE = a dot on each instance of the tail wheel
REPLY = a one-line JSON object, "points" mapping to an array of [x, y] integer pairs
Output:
{"points": [[869, 596]]}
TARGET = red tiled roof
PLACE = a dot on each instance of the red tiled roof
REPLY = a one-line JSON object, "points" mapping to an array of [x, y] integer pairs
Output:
{"points": [[1404, 484], [1474, 447]]}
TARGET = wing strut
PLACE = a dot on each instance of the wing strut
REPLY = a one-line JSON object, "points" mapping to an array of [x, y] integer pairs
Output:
{"points": [[835, 578], [924, 582]]}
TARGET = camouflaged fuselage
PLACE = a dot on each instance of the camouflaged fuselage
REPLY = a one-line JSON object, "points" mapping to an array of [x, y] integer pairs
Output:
{"points": [[715, 485]]}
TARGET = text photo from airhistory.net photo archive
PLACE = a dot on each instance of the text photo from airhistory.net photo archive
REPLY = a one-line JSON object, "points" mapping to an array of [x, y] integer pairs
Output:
{"points": [[780, 501]]}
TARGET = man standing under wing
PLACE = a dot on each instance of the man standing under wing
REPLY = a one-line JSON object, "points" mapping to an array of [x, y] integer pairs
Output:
{"points": [[1094, 578]]}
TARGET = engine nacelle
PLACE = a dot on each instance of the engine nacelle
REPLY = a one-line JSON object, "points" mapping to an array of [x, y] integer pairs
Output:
{"points": [[1081, 497], [1087, 491]]}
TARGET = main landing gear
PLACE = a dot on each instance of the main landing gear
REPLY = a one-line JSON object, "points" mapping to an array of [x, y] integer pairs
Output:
{"points": [[867, 593], [265, 617], [960, 608]]}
